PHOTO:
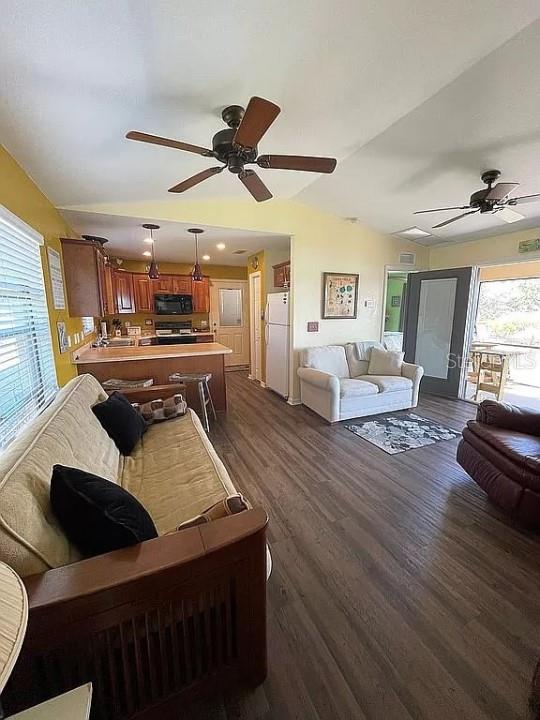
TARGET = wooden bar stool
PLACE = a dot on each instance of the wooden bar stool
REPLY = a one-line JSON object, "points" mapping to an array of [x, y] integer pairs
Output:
{"points": [[205, 397]]}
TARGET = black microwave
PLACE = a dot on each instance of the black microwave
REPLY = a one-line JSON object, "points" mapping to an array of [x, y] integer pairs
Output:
{"points": [[169, 304]]}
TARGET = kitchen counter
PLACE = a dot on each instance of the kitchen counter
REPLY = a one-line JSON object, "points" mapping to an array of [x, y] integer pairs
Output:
{"points": [[159, 362], [148, 352]]}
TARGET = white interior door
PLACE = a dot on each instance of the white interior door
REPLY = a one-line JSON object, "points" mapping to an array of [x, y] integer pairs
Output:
{"points": [[229, 315], [255, 325]]}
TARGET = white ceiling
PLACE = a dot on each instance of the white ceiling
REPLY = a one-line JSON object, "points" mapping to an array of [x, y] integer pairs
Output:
{"points": [[172, 241], [366, 81], [489, 117]]}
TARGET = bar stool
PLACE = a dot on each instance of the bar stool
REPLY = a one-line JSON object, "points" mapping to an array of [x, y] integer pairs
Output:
{"points": [[205, 397]]}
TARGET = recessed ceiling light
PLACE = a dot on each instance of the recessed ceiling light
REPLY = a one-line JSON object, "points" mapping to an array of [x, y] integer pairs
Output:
{"points": [[220, 246], [412, 232], [206, 257], [148, 240], [147, 253]]}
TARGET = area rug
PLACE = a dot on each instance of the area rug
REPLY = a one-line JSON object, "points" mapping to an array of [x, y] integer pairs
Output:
{"points": [[398, 433]]}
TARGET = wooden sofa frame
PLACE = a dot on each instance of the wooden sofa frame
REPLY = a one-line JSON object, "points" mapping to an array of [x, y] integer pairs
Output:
{"points": [[151, 624]]}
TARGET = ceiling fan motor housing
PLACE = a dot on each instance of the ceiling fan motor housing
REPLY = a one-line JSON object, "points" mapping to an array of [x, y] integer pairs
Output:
{"points": [[225, 151]]}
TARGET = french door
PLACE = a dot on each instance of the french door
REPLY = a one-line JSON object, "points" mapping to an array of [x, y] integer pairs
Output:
{"points": [[437, 327]]}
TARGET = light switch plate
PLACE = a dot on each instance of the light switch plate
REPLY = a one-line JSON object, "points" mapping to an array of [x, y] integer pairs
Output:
{"points": [[313, 326]]}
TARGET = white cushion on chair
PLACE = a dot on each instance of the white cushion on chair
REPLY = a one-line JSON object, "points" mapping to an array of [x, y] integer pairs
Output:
{"points": [[354, 387], [388, 383], [358, 354], [329, 358], [385, 362]]}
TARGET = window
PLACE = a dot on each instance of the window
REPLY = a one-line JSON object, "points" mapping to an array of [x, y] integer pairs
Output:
{"points": [[88, 325], [27, 373]]}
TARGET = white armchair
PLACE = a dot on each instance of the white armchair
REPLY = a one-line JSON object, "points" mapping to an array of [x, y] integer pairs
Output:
{"points": [[334, 383]]}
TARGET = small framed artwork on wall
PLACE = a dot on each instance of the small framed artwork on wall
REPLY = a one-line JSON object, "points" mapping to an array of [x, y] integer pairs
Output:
{"points": [[340, 296]]}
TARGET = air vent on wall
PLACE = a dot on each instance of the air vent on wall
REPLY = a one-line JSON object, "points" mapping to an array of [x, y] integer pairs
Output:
{"points": [[407, 258], [239, 252]]}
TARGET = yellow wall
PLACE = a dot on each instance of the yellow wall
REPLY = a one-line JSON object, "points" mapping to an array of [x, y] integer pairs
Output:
{"points": [[23, 198], [499, 248], [319, 242]]}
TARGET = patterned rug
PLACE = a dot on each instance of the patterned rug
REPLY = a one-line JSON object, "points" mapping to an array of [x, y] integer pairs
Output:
{"points": [[398, 433]]}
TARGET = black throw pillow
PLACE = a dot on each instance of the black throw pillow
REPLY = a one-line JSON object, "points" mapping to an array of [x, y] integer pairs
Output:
{"points": [[97, 515], [121, 421]]}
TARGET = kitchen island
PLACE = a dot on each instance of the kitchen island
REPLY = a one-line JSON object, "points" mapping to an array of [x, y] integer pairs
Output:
{"points": [[159, 362]]}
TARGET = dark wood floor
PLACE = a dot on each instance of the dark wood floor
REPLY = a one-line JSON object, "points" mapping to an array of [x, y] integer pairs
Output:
{"points": [[397, 591]]}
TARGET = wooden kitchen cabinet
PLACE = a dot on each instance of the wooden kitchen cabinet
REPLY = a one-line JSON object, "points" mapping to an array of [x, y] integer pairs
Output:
{"points": [[200, 292], [164, 284], [181, 284], [143, 291], [125, 296], [282, 274], [106, 287], [84, 265]]}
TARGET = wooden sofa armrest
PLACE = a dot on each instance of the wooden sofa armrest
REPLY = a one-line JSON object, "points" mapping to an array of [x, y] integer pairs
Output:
{"points": [[186, 608], [154, 392]]}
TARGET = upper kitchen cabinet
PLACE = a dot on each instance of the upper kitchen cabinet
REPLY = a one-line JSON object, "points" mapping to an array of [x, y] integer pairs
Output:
{"points": [[125, 294], [164, 284], [143, 290], [85, 273], [200, 291], [282, 274], [181, 284]]}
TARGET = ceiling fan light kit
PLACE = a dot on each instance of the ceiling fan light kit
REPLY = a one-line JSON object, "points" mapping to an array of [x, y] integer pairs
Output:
{"points": [[236, 146], [153, 270], [493, 200]]}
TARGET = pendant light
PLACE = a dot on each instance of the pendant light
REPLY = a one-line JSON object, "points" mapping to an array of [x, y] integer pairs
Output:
{"points": [[196, 273], [153, 271]]}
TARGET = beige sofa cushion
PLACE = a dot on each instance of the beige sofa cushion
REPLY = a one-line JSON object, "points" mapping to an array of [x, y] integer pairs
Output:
{"points": [[68, 433], [349, 388], [329, 358], [358, 354], [389, 383], [385, 362], [175, 472]]}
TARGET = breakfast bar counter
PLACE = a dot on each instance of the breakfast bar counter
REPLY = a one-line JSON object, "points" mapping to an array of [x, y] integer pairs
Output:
{"points": [[159, 362]]}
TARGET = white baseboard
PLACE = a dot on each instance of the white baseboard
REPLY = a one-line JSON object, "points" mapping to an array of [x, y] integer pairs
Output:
{"points": [[294, 401], [263, 384], [250, 376]]}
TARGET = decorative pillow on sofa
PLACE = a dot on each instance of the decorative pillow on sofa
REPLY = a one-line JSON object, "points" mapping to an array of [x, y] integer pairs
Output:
{"points": [[124, 425], [385, 362], [97, 515], [231, 505], [160, 410]]}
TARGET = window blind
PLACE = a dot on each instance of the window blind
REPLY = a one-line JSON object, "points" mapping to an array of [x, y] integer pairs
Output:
{"points": [[27, 372]]}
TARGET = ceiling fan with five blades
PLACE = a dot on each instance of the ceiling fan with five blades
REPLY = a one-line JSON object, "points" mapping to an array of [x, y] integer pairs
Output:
{"points": [[236, 147], [493, 199]]}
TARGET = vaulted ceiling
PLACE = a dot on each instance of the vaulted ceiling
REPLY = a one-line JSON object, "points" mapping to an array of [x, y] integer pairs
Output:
{"points": [[414, 98]]}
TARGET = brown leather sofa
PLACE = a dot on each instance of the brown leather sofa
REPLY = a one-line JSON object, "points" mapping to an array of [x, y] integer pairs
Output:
{"points": [[501, 451]]}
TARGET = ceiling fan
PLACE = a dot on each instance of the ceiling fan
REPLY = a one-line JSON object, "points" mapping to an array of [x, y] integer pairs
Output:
{"points": [[493, 199], [236, 147]]}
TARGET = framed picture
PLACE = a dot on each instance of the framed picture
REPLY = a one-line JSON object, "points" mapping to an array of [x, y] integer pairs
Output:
{"points": [[396, 301], [340, 296], [62, 336]]}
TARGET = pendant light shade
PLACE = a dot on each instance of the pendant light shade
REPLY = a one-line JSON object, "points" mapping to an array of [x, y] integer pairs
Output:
{"points": [[196, 273], [153, 270]]}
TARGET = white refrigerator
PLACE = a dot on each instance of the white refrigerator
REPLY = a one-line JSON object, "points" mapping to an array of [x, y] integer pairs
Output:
{"points": [[277, 342]]}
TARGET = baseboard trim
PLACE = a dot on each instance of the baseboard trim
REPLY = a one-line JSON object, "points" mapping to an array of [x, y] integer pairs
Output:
{"points": [[294, 401], [263, 384]]}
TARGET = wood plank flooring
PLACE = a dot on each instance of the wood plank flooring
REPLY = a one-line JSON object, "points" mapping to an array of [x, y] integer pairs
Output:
{"points": [[398, 592]]}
